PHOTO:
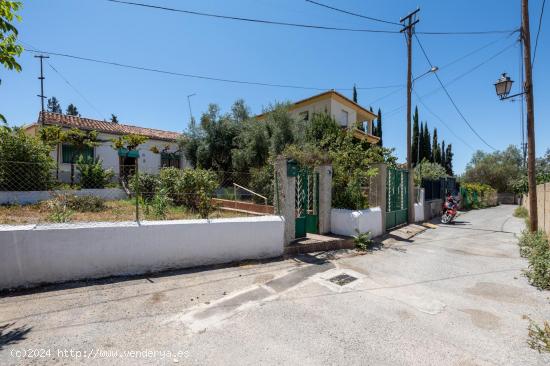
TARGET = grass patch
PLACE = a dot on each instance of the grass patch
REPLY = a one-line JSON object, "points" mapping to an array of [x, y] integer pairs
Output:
{"points": [[521, 212], [535, 247], [539, 336]]}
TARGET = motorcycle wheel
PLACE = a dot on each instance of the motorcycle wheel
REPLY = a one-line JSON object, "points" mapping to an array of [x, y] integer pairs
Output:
{"points": [[445, 218]]}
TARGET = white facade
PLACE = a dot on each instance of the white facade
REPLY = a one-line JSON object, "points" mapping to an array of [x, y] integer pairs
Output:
{"points": [[148, 162]]}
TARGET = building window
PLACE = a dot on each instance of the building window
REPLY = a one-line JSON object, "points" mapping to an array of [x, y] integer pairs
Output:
{"points": [[304, 116], [170, 160], [70, 154], [344, 118]]}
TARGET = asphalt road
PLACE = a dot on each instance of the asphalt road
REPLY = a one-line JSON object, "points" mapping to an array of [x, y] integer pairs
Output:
{"points": [[454, 295]]}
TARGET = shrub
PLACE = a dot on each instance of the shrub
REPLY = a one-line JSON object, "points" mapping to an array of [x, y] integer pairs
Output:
{"points": [[59, 209], [535, 247], [86, 203], [478, 195], [363, 241], [25, 163], [159, 204], [188, 187], [262, 182], [521, 212], [92, 174], [145, 184]]}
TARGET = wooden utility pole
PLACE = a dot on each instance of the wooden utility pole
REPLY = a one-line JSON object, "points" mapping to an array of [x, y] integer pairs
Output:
{"points": [[41, 78], [409, 22], [528, 89]]}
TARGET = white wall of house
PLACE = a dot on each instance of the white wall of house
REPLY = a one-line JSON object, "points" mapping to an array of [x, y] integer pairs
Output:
{"points": [[149, 162], [31, 255]]}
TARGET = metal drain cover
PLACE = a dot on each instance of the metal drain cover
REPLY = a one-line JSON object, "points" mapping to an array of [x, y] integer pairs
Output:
{"points": [[342, 279]]}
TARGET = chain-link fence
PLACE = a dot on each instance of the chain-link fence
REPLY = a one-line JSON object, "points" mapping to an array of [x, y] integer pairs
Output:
{"points": [[87, 192]]}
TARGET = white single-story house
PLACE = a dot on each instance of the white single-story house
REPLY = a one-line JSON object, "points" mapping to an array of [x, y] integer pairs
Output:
{"points": [[145, 157], [345, 112]]}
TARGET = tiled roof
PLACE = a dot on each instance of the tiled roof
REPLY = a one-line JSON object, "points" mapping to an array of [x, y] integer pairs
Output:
{"points": [[62, 120]]}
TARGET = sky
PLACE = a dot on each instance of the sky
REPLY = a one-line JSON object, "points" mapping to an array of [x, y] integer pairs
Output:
{"points": [[315, 58]]}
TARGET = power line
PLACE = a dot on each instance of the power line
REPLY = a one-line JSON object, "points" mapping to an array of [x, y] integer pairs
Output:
{"points": [[451, 98], [299, 25], [75, 89], [251, 20], [173, 73], [538, 32], [441, 120], [354, 14]]}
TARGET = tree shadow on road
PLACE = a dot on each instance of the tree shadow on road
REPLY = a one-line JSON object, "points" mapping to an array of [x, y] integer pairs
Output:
{"points": [[12, 336]]}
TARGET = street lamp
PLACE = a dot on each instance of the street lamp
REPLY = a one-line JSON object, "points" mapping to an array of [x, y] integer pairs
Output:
{"points": [[503, 86], [433, 69]]}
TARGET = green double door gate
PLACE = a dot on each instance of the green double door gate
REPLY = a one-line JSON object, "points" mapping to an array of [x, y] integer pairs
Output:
{"points": [[307, 202], [397, 197]]}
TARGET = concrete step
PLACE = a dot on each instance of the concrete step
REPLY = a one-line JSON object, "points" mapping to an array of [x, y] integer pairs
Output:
{"points": [[319, 243]]}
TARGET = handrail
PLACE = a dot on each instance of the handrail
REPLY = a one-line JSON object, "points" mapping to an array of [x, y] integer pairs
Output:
{"points": [[235, 185]]}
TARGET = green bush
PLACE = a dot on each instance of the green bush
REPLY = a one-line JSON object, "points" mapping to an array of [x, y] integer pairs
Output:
{"points": [[92, 174], [146, 185], [160, 204], [521, 212], [363, 241], [262, 182], [478, 195], [191, 188], [86, 203], [25, 162], [535, 247], [59, 209]]}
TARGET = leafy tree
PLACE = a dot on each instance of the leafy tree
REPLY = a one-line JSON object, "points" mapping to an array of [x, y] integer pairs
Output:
{"points": [[80, 140], [114, 118], [54, 106], [282, 129], [428, 170], [354, 93], [9, 49], [322, 130], [26, 163], [436, 149], [240, 111], [415, 136], [252, 146], [72, 110], [498, 169], [449, 159]]}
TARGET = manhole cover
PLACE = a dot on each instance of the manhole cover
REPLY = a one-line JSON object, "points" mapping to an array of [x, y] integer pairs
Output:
{"points": [[342, 279]]}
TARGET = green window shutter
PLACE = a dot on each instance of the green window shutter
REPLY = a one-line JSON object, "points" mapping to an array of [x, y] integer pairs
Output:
{"points": [[70, 154]]}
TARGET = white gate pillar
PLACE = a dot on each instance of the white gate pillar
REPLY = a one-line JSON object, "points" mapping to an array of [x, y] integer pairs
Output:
{"points": [[285, 198], [325, 197]]}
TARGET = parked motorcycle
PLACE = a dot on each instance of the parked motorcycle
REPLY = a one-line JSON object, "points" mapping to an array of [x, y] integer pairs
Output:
{"points": [[450, 209]]}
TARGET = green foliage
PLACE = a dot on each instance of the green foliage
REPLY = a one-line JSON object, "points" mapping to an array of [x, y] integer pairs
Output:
{"points": [[282, 129], [521, 212], [26, 164], [129, 142], [188, 187], [379, 128], [72, 110], [322, 130], [500, 169], [51, 135], [363, 241], [262, 181], [59, 209], [145, 185], [160, 203], [251, 146], [54, 106], [85, 203], [9, 49], [114, 118], [539, 336], [535, 247], [477, 195], [428, 170], [92, 174]]}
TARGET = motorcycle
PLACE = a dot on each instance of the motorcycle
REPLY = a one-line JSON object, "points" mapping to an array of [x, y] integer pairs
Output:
{"points": [[450, 209]]}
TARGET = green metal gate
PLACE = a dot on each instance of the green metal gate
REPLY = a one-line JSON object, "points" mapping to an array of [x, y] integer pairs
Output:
{"points": [[397, 197], [307, 202]]}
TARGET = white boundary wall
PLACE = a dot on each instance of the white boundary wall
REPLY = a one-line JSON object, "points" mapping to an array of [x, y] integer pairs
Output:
{"points": [[31, 197], [31, 255], [345, 222]]}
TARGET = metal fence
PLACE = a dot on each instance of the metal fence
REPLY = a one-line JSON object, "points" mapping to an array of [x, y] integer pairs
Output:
{"points": [[34, 193], [437, 189]]}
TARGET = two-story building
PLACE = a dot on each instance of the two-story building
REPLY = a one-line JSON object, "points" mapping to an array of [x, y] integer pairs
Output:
{"points": [[345, 112]]}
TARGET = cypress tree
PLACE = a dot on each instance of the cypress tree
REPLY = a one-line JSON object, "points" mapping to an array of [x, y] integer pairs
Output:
{"points": [[427, 148], [354, 93], [449, 159], [379, 127], [415, 137], [436, 153], [443, 156]]}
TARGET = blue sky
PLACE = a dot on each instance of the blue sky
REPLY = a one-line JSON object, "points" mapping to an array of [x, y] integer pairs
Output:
{"points": [[275, 54]]}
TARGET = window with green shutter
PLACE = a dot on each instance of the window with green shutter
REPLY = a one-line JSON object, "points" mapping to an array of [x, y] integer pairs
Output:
{"points": [[70, 153]]}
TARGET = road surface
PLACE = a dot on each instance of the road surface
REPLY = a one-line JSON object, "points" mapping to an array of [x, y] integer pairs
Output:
{"points": [[454, 295]]}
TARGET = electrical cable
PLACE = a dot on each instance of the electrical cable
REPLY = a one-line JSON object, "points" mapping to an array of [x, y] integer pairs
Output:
{"points": [[538, 33], [354, 14]]}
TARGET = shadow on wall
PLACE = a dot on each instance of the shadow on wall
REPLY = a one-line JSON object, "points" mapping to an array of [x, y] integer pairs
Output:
{"points": [[12, 336]]}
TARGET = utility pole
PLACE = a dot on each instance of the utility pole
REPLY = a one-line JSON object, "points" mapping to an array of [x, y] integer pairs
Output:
{"points": [[41, 78], [192, 121], [409, 22], [528, 89]]}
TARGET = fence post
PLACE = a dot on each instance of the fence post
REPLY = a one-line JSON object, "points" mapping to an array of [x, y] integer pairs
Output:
{"points": [[286, 205], [381, 191]]}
